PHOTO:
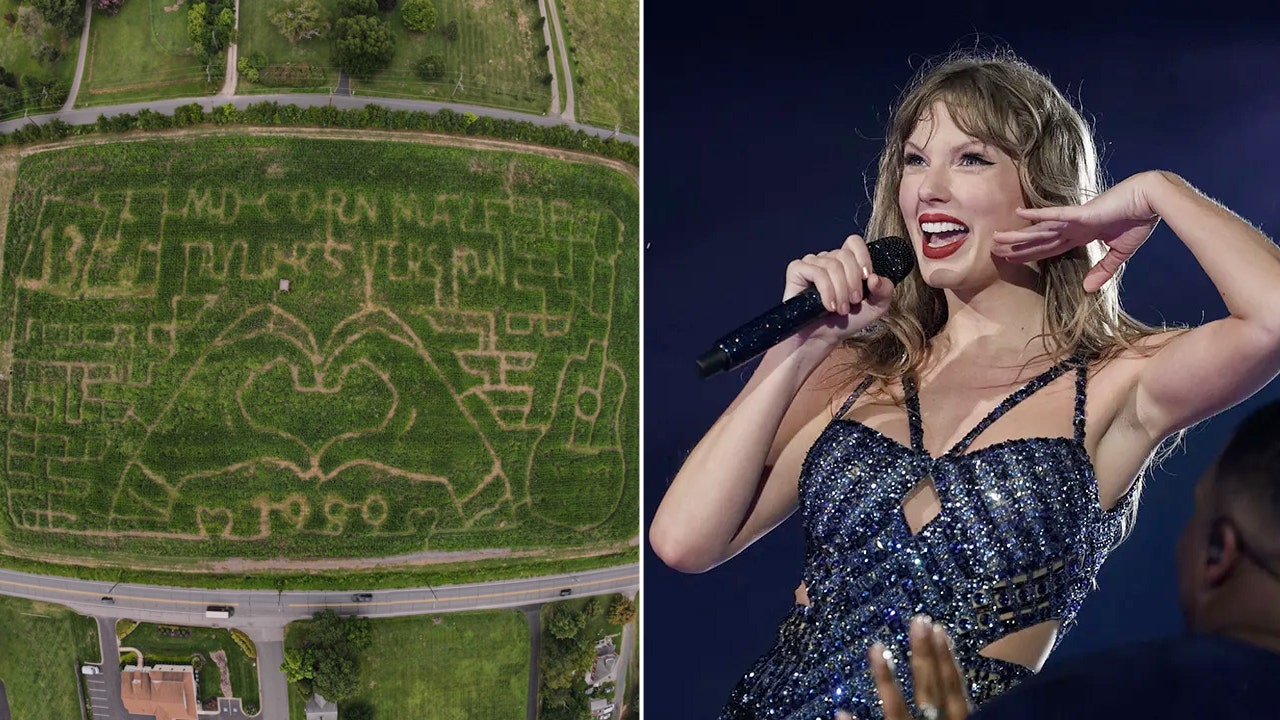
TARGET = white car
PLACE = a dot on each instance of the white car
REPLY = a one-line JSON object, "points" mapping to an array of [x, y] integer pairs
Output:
{"points": [[90, 670]]}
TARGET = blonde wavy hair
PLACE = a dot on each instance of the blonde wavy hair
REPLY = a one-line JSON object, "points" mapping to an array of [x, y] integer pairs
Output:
{"points": [[1001, 100]]}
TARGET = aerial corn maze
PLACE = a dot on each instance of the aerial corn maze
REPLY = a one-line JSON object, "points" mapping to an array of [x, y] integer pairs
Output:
{"points": [[289, 347]]}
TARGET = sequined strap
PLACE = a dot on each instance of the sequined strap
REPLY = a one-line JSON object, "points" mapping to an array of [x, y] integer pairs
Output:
{"points": [[1023, 393], [914, 422], [853, 397], [1082, 382]]}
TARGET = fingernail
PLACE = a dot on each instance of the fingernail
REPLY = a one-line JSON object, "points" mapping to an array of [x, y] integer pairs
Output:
{"points": [[866, 273], [883, 652]]}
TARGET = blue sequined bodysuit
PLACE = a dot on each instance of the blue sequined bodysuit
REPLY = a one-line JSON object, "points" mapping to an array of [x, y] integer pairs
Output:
{"points": [[1019, 539]]}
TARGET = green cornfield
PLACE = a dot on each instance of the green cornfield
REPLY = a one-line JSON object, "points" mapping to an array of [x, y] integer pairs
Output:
{"points": [[262, 347]]}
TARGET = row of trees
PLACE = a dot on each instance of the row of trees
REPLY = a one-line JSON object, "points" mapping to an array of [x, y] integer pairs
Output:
{"points": [[369, 116], [568, 654], [28, 91], [211, 27]]}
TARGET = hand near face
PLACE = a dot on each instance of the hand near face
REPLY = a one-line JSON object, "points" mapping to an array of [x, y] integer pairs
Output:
{"points": [[934, 672], [1121, 218]]}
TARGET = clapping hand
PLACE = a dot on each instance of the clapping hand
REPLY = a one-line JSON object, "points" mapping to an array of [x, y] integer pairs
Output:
{"points": [[941, 692]]}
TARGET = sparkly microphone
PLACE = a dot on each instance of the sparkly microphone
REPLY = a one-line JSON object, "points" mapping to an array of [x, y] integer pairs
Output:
{"points": [[891, 257]]}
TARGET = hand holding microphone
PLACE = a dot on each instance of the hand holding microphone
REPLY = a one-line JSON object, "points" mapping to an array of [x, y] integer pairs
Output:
{"points": [[852, 286]]}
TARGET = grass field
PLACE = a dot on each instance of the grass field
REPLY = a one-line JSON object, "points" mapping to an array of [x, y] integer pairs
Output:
{"points": [[452, 368], [41, 647], [142, 54], [498, 53], [445, 667], [161, 649], [16, 50], [258, 35], [605, 39]]}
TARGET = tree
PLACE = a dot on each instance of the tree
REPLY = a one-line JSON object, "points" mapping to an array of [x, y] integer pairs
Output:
{"points": [[431, 67], [566, 624], [450, 31], [359, 632], [364, 45], [196, 16], [66, 15], [622, 611], [300, 20], [224, 28], [31, 23], [298, 664], [337, 673], [387, 6], [564, 704], [356, 8], [419, 15]]}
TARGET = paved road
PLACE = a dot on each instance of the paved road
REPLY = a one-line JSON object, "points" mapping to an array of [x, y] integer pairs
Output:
{"points": [[263, 614], [554, 18], [104, 688], [84, 47], [229, 84], [551, 61], [85, 116], [273, 687], [624, 659], [268, 609]]}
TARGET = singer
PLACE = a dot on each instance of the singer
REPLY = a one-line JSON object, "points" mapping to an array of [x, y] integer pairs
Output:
{"points": [[970, 443]]}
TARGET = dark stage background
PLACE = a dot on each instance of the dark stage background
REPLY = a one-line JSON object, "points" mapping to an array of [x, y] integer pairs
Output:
{"points": [[761, 120]]}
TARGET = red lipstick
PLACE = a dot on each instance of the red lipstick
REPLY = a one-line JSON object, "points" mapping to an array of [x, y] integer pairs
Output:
{"points": [[945, 251]]}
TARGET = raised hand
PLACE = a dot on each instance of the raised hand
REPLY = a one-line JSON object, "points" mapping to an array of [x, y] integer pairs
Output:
{"points": [[1121, 218]]}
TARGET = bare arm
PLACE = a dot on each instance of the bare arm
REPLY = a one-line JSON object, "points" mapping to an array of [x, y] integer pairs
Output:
{"points": [[1206, 370], [740, 480]]}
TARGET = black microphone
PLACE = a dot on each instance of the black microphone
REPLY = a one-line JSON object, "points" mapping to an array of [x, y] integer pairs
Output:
{"points": [[891, 257]]}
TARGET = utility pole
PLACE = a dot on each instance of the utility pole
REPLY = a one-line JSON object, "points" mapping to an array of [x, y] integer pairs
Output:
{"points": [[457, 87]]}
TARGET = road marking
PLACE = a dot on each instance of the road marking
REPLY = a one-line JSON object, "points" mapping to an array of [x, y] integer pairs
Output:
{"points": [[99, 594], [465, 597]]}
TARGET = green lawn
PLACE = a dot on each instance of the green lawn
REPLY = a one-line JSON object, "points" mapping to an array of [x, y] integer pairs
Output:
{"points": [[498, 55], [41, 648], [453, 368], [16, 50], [445, 667], [161, 649], [604, 37], [258, 35], [142, 54]]}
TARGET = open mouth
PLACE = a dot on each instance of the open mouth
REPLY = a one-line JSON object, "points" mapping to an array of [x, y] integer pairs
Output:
{"points": [[942, 237]]}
